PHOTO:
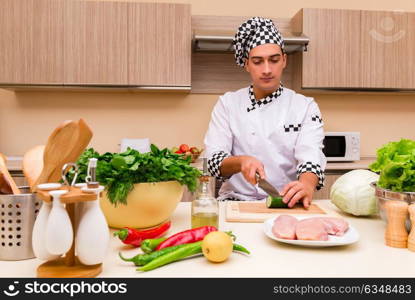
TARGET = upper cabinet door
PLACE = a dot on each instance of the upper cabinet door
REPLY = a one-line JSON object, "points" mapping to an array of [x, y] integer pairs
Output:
{"points": [[386, 50], [411, 48], [159, 44], [95, 43], [31, 40], [333, 56]]}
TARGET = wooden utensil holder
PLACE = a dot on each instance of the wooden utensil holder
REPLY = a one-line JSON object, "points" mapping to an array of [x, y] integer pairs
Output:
{"points": [[396, 234], [411, 237], [68, 266]]}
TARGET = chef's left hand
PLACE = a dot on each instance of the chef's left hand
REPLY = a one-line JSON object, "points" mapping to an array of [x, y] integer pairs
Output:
{"points": [[300, 190]]}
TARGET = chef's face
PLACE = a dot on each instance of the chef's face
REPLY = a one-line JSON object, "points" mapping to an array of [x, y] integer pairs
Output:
{"points": [[265, 65]]}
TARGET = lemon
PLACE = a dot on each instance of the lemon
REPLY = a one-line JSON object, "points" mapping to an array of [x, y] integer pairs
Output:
{"points": [[217, 246]]}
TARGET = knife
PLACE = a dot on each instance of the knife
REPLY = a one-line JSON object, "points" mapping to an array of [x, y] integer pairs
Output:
{"points": [[267, 187]]}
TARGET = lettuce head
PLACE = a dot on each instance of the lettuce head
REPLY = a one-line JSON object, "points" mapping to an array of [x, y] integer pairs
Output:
{"points": [[396, 165]]}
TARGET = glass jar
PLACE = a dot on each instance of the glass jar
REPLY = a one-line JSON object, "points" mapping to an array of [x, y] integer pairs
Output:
{"points": [[205, 208]]}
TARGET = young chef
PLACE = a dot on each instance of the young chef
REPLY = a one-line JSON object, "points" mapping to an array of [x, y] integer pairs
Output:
{"points": [[265, 128]]}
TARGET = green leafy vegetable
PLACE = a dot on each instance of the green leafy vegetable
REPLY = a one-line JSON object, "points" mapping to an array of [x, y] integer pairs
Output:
{"points": [[118, 172], [396, 165]]}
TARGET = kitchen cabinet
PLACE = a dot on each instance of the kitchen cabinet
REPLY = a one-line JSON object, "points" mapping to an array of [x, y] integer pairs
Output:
{"points": [[31, 39], [354, 49], [159, 44], [95, 43], [332, 59], [330, 177], [411, 43], [388, 49]]}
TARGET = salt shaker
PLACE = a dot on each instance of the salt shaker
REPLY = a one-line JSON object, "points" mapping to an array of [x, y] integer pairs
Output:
{"points": [[396, 234]]}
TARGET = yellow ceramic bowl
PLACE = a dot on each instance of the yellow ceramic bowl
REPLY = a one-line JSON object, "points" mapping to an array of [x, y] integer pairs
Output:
{"points": [[148, 205]]}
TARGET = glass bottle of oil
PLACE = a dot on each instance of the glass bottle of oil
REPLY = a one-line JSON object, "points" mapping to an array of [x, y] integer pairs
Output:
{"points": [[205, 208]]}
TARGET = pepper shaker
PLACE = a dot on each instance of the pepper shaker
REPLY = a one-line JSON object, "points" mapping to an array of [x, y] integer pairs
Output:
{"points": [[396, 234], [411, 238]]}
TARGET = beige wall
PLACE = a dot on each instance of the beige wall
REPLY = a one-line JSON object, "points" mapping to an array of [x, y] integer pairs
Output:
{"points": [[27, 118]]}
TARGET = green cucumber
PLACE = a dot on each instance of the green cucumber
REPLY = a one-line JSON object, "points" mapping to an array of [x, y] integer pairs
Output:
{"points": [[275, 202]]}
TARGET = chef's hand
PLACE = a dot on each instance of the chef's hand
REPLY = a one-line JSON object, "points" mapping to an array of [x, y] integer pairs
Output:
{"points": [[249, 166], [300, 190]]}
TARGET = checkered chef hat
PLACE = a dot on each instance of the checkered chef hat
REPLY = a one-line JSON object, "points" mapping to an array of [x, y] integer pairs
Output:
{"points": [[254, 32]]}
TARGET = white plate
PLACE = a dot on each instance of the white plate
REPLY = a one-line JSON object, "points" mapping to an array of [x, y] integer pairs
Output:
{"points": [[350, 236]]}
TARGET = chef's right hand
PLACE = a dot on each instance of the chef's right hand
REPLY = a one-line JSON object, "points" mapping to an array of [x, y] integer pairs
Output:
{"points": [[249, 166]]}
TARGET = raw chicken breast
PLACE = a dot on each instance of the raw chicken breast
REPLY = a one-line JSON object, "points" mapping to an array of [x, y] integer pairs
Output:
{"points": [[311, 229], [284, 227], [335, 226]]}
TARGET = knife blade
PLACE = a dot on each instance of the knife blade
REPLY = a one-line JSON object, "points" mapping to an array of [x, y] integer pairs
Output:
{"points": [[267, 187]]}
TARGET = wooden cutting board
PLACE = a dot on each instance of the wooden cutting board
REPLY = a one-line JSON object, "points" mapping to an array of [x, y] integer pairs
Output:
{"points": [[257, 212]]}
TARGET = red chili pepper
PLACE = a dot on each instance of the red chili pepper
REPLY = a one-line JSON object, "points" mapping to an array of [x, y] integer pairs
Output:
{"points": [[134, 237], [187, 236]]}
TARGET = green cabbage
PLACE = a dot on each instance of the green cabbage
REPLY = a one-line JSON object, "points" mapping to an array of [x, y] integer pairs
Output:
{"points": [[396, 165], [352, 193]]}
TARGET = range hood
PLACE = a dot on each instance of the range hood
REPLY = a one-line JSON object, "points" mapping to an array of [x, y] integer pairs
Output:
{"points": [[221, 41]]}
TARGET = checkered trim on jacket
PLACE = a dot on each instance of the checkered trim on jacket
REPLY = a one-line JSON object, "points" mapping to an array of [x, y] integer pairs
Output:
{"points": [[215, 162], [254, 32], [268, 99], [292, 127], [312, 168], [316, 118], [230, 199]]}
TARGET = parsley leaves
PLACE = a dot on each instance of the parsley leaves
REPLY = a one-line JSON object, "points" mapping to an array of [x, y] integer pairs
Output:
{"points": [[118, 172]]}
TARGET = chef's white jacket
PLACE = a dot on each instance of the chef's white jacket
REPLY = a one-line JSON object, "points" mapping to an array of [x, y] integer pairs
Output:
{"points": [[286, 135]]}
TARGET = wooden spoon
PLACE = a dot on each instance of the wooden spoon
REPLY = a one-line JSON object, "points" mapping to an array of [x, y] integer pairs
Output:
{"points": [[77, 146], [7, 183], [57, 148], [5, 187], [33, 164]]}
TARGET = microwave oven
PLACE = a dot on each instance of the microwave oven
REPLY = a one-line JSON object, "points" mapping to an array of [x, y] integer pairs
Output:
{"points": [[342, 146]]}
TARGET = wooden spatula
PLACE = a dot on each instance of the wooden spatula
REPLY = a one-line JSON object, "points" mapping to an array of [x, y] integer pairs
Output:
{"points": [[5, 187], [7, 183], [57, 147], [77, 146], [33, 164]]}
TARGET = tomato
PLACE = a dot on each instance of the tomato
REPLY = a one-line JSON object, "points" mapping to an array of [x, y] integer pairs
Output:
{"points": [[178, 152], [184, 148]]}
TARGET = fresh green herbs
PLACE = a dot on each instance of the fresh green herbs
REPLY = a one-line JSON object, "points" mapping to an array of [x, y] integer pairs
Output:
{"points": [[396, 164], [118, 172]]}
